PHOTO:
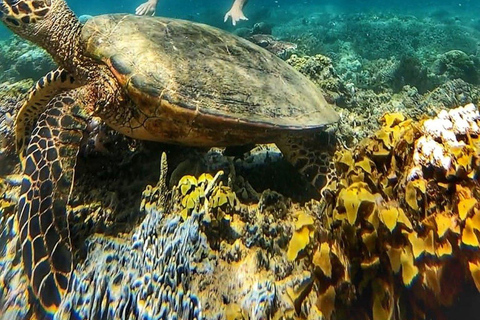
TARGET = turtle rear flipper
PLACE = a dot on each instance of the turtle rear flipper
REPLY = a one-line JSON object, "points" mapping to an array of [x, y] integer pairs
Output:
{"points": [[46, 186], [44, 90], [311, 154]]}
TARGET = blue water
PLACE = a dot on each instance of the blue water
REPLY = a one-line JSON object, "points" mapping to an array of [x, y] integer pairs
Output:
{"points": [[374, 30], [212, 11]]}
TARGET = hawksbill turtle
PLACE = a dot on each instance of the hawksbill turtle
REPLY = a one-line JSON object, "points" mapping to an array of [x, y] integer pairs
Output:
{"points": [[149, 78]]}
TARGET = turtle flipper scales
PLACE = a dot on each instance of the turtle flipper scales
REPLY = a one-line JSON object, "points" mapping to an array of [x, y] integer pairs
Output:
{"points": [[44, 90], [311, 154], [46, 186]]}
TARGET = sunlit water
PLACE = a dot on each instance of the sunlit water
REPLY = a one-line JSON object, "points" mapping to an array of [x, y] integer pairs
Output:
{"points": [[212, 11]]}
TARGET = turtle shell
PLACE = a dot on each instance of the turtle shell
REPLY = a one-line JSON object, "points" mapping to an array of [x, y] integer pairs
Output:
{"points": [[204, 74]]}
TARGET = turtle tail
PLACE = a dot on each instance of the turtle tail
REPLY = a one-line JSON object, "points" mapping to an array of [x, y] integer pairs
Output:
{"points": [[42, 208], [311, 154]]}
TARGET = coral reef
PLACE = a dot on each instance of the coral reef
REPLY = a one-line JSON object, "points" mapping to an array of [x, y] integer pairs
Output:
{"points": [[415, 65], [374, 94], [155, 261], [22, 60], [141, 275], [11, 96], [398, 238], [401, 234], [320, 70], [176, 261], [280, 48], [455, 64], [375, 35], [379, 58]]}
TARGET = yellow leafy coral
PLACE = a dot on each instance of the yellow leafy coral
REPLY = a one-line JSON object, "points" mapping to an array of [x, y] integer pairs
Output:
{"points": [[302, 235], [405, 210], [351, 198], [193, 195]]}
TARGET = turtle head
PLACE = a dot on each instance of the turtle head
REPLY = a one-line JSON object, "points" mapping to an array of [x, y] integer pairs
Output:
{"points": [[25, 17], [50, 24]]}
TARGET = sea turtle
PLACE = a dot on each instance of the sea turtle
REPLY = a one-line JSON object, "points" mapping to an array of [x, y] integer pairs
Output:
{"points": [[149, 78]]}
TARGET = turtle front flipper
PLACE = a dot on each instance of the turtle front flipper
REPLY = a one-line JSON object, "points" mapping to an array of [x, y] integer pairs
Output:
{"points": [[311, 153], [44, 90], [46, 186]]}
